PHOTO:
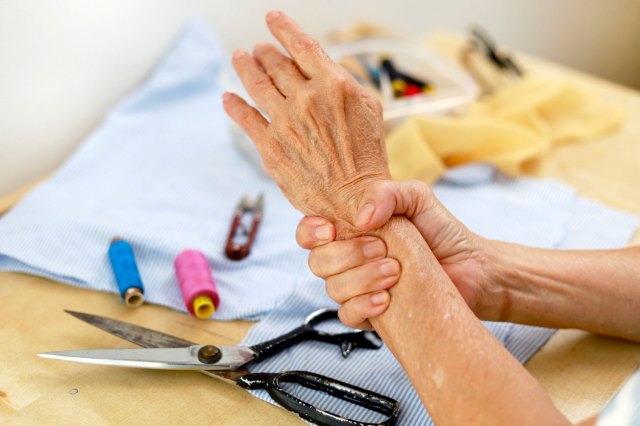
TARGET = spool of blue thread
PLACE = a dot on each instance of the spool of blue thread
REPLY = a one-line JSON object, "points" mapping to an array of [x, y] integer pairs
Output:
{"points": [[125, 270]]}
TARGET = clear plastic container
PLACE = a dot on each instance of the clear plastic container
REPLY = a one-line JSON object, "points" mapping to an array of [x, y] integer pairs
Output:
{"points": [[452, 88]]}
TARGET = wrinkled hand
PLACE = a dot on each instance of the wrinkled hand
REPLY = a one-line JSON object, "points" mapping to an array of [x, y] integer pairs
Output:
{"points": [[357, 272], [323, 141]]}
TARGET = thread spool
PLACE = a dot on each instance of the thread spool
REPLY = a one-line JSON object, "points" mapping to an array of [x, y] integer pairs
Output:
{"points": [[198, 288], [125, 270]]}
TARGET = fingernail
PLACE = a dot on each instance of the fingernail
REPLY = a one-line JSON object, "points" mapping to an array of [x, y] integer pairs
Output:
{"points": [[373, 249], [323, 232], [379, 298], [238, 53], [364, 214], [226, 96], [389, 268], [272, 15]]}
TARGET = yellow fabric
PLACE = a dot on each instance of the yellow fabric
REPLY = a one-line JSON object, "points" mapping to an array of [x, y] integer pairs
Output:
{"points": [[520, 122]]}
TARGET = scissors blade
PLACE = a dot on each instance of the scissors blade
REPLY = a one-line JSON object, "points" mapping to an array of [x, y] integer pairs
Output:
{"points": [[148, 338], [157, 358], [140, 336]]}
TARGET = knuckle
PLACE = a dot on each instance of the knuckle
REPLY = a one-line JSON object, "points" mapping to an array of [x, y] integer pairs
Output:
{"points": [[306, 43], [308, 100], [269, 161], [261, 81], [345, 316], [351, 88], [309, 96], [369, 248], [314, 263], [245, 114], [341, 83], [301, 235], [302, 97], [420, 187], [282, 65], [332, 287]]}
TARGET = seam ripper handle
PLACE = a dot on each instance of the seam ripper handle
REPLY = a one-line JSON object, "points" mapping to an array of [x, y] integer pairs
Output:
{"points": [[235, 251], [125, 270], [197, 286]]}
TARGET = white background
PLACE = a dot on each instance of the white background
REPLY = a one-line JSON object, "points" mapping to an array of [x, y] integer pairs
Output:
{"points": [[64, 63]]}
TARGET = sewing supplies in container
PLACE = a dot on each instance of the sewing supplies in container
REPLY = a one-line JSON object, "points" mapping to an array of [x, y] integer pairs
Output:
{"points": [[244, 226], [125, 269], [403, 84], [408, 77], [197, 286]]}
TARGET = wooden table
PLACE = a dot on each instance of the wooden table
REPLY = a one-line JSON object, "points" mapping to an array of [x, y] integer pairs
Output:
{"points": [[579, 370]]}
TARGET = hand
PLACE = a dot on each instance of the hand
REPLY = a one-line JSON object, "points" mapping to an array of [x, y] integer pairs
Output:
{"points": [[357, 272], [324, 140]]}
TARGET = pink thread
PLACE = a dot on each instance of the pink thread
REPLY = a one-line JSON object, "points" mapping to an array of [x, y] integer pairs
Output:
{"points": [[195, 278]]}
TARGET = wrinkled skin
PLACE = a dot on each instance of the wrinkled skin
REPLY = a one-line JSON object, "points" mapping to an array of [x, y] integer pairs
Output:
{"points": [[324, 140], [356, 271]]}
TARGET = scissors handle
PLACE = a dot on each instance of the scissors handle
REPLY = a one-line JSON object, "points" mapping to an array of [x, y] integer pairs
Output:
{"points": [[347, 341], [272, 382]]}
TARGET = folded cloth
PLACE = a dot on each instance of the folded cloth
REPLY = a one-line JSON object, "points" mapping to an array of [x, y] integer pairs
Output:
{"points": [[533, 212], [162, 172], [520, 122]]}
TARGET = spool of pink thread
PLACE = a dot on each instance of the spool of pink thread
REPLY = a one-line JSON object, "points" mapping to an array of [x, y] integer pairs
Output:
{"points": [[199, 291]]}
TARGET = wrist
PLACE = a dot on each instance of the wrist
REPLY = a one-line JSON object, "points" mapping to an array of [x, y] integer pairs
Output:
{"points": [[499, 275]]}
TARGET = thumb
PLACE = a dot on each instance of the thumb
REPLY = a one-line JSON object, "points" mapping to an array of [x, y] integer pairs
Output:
{"points": [[385, 198]]}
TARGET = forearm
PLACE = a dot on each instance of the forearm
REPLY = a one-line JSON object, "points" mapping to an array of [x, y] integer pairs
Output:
{"points": [[597, 291], [461, 372]]}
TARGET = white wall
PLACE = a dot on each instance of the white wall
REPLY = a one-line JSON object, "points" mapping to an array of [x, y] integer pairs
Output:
{"points": [[64, 62]]}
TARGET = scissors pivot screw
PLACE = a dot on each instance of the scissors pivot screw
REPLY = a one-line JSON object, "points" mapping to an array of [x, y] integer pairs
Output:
{"points": [[209, 354]]}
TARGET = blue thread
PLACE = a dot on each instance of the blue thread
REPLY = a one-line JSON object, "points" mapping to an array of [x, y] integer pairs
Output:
{"points": [[123, 264]]}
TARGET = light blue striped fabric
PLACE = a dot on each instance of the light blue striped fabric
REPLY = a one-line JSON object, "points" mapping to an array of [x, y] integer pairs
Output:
{"points": [[162, 172], [536, 213], [624, 408]]}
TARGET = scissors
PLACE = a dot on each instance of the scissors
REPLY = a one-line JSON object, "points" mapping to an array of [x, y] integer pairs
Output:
{"points": [[167, 352]]}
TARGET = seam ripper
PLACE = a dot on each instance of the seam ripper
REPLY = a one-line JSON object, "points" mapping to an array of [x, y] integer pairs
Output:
{"points": [[241, 236], [126, 273]]}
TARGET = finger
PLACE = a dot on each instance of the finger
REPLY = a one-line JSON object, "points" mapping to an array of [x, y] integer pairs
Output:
{"points": [[304, 49], [368, 278], [356, 312], [284, 73], [314, 231], [386, 198], [377, 205], [245, 116], [258, 84], [339, 256]]}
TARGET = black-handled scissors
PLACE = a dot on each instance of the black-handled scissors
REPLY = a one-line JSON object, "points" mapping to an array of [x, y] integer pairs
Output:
{"points": [[167, 352]]}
